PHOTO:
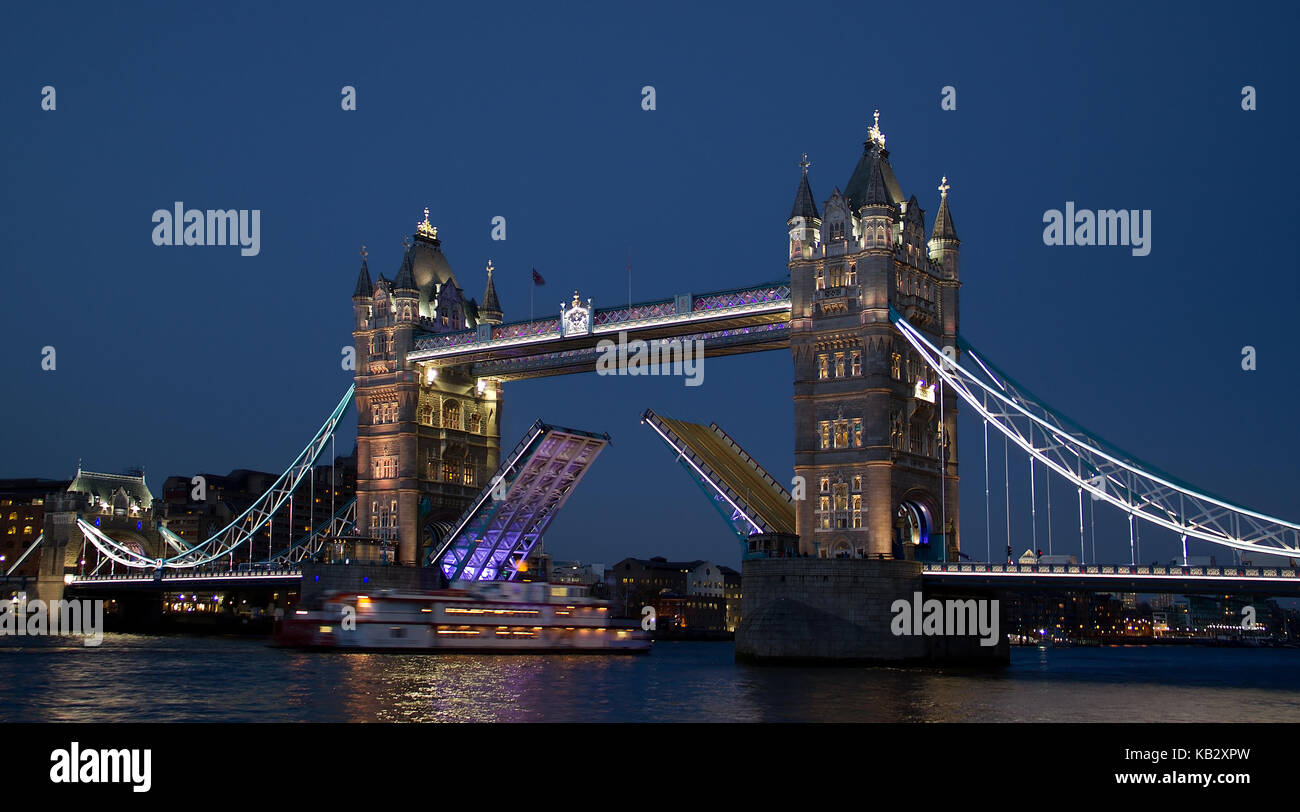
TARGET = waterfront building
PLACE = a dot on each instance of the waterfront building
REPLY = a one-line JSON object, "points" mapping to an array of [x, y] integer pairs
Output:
{"points": [[685, 594], [732, 593], [22, 519]]}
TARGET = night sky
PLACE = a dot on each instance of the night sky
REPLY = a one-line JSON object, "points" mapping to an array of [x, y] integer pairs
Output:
{"points": [[186, 359]]}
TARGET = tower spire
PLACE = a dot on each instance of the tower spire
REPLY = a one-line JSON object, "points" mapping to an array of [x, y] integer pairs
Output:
{"points": [[406, 274], [943, 227], [364, 289], [490, 311], [804, 205]]}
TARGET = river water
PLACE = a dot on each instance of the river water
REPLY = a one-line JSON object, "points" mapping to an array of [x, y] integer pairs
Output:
{"points": [[180, 678]]}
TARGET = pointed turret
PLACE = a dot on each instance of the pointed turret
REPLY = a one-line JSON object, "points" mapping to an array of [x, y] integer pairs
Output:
{"points": [[364, 289], [804, 223], [363, 296], [406, 294], [490, 310], [943, 243], [803, 198], [405, 280], [943, 227], [877, 190]]}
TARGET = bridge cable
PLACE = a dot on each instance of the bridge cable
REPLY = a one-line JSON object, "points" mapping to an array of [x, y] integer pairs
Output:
{"points": [[943, 468], [1138, 538], [988, 521], [1132, 556], [1140, 491], [1006, 488], [1092, 527], [1049, 511], [1033, 505], [1082, 551]]}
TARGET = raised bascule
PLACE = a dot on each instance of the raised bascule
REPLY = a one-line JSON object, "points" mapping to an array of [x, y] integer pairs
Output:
{"points": [[869, 308]]}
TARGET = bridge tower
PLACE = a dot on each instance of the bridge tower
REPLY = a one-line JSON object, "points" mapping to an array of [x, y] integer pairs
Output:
{"points": [[881, 476], [427, 439]]}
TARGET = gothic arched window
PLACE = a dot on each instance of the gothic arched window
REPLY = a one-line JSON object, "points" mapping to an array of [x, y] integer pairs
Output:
{"points": [[451, 414]]}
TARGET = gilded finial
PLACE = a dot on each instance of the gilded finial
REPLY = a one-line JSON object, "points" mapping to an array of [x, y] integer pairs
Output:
{"points": [[943, 188], [805, 163], [490, 269], [874, 133], [425, 228], [364, 254]]}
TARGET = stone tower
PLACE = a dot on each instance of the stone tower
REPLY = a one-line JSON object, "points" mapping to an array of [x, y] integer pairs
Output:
{"points": [[881, 476], [428, 439]]}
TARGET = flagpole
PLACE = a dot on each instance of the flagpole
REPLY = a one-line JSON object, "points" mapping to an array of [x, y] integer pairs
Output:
{"points": [[629, 282]]}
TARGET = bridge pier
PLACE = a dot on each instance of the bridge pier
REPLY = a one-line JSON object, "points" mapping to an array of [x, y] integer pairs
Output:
{"points": [[846, 611]]}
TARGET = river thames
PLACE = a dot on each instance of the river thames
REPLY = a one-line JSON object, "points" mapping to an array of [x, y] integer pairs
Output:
{"points": [[139, 678]]}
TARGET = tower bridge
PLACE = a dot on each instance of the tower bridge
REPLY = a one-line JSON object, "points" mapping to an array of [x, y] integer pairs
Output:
{"points": [[868, 308]]}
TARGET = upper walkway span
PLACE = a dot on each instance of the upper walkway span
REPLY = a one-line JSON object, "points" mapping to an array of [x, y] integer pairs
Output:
{"points": [[750, 319]]}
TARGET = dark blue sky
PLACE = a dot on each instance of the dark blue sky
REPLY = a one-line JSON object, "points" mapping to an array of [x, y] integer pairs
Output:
{"points": [[187, 359]]}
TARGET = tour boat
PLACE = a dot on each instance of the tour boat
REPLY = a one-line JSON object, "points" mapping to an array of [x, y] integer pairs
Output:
{"points": [[487, 616]]}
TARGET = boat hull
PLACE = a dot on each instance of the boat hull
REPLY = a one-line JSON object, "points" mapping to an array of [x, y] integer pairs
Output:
{"points": [[489, 618]]}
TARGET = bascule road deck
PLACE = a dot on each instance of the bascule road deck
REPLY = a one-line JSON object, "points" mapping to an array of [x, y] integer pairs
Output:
{"points": [[722, 466]]}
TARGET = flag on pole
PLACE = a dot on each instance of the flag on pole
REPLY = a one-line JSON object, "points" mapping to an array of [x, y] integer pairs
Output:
{"points": [[537, 278]]}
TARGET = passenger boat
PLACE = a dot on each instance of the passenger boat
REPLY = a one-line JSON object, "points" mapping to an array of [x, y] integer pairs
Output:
{"points": [[486, 616]]}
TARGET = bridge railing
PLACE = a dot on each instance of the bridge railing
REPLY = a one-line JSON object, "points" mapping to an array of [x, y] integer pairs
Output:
{"points": [[693, 307], [172, 576], [1112, 569]]}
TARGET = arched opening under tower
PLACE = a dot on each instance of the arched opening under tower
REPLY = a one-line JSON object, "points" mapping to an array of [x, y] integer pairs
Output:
{"points": [[914, 529], [434, 533]]}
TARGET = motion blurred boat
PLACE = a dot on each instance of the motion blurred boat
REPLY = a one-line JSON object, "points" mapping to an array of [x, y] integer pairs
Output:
{"points": [[488, 616]]}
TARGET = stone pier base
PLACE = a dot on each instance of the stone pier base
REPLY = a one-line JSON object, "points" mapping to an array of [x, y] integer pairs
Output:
{"points": [[839, 611]]}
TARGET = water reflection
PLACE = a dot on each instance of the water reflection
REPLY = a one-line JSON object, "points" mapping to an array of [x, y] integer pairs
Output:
{"points": [[145, 678]]}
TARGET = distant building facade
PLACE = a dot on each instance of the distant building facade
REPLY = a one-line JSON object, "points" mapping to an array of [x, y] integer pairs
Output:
{"points": [[687, 596], [22, 519]]}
